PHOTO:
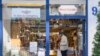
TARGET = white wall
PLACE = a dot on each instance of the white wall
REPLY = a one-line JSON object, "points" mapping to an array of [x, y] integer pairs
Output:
{"points": [[6, 29], [24, 1], [67, 1], [91, 25], [43, 1]]}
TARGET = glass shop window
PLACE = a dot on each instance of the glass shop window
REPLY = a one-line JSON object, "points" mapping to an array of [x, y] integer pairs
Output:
{"points": [[24, 31]]}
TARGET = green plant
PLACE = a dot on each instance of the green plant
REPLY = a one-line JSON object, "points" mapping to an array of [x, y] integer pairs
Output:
{"points": [[96, 42]]}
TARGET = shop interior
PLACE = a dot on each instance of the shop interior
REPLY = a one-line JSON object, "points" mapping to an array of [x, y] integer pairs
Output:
{"points": [[72, 29], [28, 31], [29, 34]]}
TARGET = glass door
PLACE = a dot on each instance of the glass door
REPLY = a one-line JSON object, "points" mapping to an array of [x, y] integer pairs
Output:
{"points": [[67, 33], [66, 37]]}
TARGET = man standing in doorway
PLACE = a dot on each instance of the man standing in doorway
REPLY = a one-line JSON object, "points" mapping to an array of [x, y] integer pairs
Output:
{"points": [[63, 44]]}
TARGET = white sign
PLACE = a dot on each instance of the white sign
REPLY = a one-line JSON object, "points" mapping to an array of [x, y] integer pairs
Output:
{"points": [[25, 12], [33, 47], [41, 52], [67, 9]]}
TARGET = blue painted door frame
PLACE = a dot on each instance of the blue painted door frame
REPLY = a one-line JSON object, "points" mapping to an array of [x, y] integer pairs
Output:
{"points": [[1, 31]]}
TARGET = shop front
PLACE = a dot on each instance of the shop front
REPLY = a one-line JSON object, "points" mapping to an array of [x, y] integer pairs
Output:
{"points": [[44, 29]]}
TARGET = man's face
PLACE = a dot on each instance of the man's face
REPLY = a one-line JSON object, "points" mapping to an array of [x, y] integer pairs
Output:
{"points": [[60, 35]]}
